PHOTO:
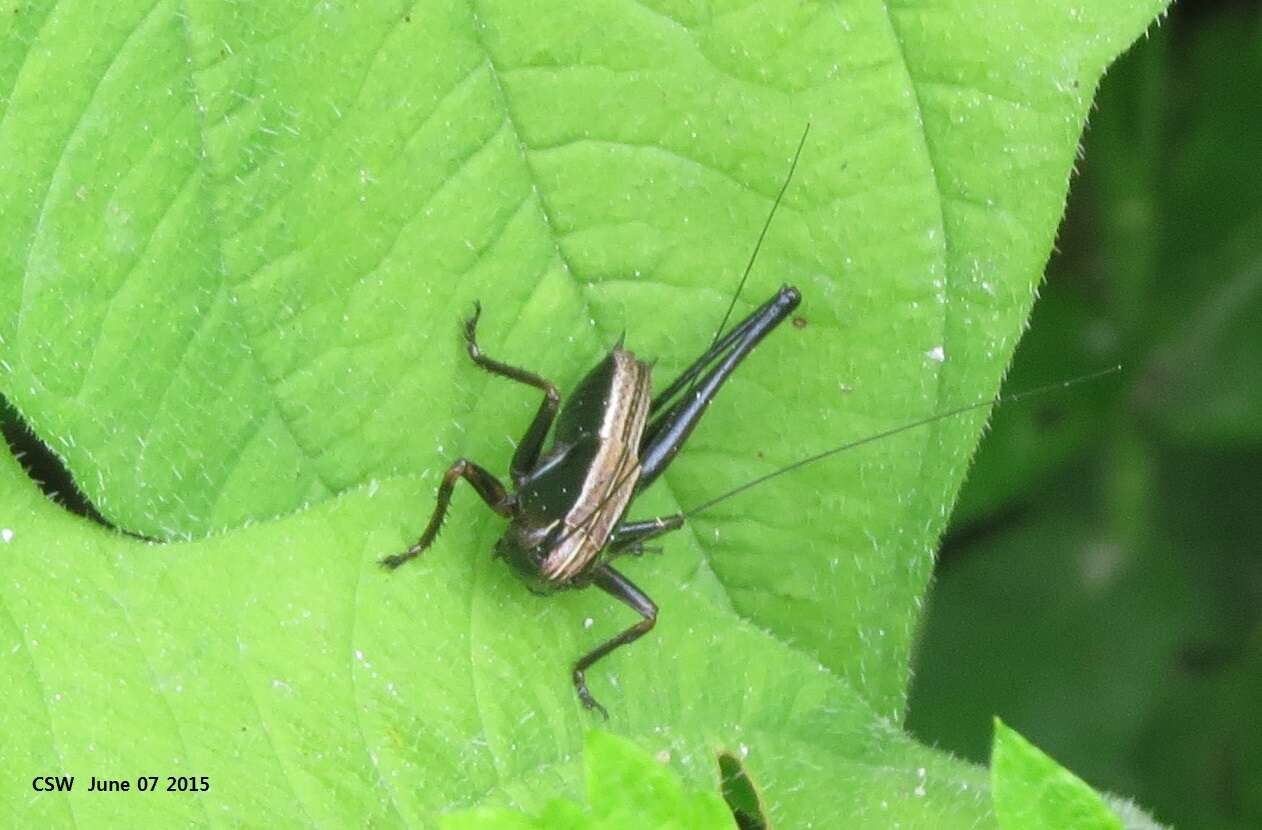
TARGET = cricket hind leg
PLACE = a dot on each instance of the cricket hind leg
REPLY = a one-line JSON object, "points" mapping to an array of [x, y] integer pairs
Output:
{"points": [[716, 349], [488, 487], [527, 452], [623, 590], [669, 429]]}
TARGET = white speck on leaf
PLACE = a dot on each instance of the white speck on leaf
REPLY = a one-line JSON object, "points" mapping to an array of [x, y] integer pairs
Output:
{"points": [[6, 535], [937, 353]]}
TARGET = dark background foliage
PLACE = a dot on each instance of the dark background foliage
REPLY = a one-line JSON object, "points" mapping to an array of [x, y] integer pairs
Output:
{"points": [[1101, 586]]}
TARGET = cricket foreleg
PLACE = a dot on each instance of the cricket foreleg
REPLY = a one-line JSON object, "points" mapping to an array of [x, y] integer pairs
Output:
{"points": [[488, 487], [528, 449], [622, 589], [629, 537]]}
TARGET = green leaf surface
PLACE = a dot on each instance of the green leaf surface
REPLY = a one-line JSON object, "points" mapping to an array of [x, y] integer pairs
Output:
{"points": [[626, 788], [234, 248], [1033, 792], [281, 663]]}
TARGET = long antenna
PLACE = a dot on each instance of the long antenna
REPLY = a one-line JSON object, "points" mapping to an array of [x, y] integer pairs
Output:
{"points": [[749, 266], [950, 413]]}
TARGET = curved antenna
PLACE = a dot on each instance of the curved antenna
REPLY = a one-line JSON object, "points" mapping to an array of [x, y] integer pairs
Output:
{"points": [[749, 266], [929, 419], [731, 306]]}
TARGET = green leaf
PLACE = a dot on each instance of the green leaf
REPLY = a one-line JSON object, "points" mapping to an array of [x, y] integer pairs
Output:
{"points": [[1033, 792], [626, 787], [234, 251], [283, 664]]}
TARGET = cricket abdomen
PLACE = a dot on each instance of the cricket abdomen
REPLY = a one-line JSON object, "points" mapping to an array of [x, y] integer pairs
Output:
{"points": [[583, 484]]}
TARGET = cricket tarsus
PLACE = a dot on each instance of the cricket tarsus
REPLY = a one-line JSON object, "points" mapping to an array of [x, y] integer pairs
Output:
{"points": [[624, 590], [488, 487], [628, 538], [637, 549]]}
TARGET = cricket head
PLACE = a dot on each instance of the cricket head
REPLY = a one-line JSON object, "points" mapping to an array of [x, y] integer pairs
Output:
{"points": [[524, 549]]}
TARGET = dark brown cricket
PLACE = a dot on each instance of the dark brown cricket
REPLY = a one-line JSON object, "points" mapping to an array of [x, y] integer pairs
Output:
{"points": [[610, 441]]}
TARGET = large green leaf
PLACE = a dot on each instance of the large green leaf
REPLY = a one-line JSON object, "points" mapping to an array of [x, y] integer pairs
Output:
{"points": [[281, 663], [234, 246]]}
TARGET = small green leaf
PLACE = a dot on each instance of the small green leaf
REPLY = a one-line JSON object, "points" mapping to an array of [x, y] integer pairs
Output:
{"points": [[1033, 792], [625, 782], [626, 788]]}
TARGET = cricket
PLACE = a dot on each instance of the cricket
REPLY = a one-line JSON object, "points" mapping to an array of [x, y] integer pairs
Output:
{"points": [[611, 439]]}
